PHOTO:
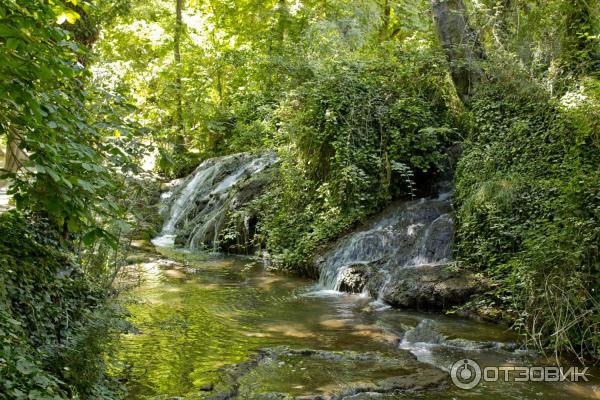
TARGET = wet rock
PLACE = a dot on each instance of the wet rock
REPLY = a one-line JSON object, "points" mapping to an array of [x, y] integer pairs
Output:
{"points": [[365, 396], [247, 380], [208, 387], [429, 287], [167, 263], [474, 345], [400, 256], [424, 332], [206, 209], [421, 380], [354, 278], [271, 396]]}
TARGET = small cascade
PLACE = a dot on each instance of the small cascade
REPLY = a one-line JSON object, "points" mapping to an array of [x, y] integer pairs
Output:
{"points": [[415, 235], [196, 209]]}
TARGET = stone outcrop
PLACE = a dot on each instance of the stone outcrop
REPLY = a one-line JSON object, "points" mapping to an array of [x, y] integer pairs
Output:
{"points": [[206, 210], [429, 287], [402, 257]]}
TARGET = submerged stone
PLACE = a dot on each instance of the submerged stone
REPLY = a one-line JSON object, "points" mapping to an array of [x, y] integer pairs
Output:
{"points": [[315, 374]]}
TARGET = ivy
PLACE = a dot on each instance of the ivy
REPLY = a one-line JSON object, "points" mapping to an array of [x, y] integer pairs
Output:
{"points": [[54, 318]]}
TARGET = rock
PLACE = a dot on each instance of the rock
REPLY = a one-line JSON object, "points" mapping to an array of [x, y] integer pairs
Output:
{"points": [[429, 287], [208, 387], [400, 256], [424, 332], [207, 209], [167, 263], [421, 380], [354, 278], [364, 396], [271, 396], [246, 380]]}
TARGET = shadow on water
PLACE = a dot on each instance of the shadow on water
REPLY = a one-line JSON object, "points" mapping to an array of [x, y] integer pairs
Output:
{"points": [[194, 320]]}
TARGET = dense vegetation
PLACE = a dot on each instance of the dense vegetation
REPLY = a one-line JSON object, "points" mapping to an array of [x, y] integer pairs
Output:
{"points": [[55, 322], [527, 197], [527, 182], [356, 99]]}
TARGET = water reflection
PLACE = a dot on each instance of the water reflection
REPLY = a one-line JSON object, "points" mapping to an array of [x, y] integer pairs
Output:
{"points": [[193, 323]]}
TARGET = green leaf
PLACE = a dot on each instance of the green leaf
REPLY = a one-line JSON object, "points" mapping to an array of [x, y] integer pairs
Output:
{"points": [[85, 185], [66, 15], [26, 367], [90, 237]]}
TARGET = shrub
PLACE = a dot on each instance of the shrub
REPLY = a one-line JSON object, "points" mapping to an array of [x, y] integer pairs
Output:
{"points": [[529, 209], [54, 319], [351, 138]]}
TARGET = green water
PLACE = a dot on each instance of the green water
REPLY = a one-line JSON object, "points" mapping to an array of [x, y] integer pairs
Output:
{"points": [[193, 321]]}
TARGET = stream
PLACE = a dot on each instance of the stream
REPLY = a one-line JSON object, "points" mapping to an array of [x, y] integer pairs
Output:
{"points": [[209, 326], [219, 327]]}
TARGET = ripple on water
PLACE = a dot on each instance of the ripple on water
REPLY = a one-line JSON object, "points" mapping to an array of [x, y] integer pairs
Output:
{"points": [[219, 312]]}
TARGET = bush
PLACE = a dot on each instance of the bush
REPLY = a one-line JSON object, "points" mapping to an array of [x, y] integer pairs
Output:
{"points": [[528, 197], [351, 138], [54, 321]]}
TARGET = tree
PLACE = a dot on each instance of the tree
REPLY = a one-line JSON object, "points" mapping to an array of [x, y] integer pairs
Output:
{"points": [[178, 120], [14, 155], [461, 45]]}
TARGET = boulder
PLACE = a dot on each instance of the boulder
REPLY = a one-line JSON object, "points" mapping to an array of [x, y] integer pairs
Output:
{"points": [[354, 278], [401, 256], [429, 287]]}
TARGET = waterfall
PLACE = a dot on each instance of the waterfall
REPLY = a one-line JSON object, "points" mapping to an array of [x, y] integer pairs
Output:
{"points": [[408, 235], [198, 205]]}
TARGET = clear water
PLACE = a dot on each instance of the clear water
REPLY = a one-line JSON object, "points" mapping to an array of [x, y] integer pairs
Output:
{"points": [[220, 311]]}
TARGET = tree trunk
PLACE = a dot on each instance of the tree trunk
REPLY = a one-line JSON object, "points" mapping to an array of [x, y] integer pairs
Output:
{"points": [[283, 22], [461, 45], [179, 138], [385, 26], [14, 155]]}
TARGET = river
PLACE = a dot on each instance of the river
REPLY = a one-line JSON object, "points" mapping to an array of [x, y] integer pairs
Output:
{"points": [[199, 323]]}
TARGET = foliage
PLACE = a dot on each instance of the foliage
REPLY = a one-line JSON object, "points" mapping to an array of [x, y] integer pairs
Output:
{"points": [[351, 96], [78, 142], [61, 123], [351, 138], [354, 99], [238, 61], [556, 40], [55, 320], [529, 207]]}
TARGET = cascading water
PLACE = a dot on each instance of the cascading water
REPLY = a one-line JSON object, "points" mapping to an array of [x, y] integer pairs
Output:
{"points": [[415, 234], [197, 208]]}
